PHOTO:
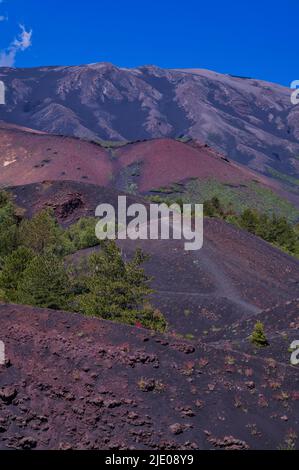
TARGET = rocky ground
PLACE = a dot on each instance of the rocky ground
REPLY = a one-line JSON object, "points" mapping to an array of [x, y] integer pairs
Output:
{"points": [[71, 382]]}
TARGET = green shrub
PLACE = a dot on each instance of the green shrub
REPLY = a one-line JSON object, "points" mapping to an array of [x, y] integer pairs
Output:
{"points": [[213, 208], [249, 220], [258, 337], [82, 234]]}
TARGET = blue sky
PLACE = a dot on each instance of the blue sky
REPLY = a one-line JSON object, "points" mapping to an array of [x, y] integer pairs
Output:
{"points": [[249, 38]]}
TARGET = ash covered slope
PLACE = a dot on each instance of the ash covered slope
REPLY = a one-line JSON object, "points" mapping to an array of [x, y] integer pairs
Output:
{"points": [[82, 383], [249, 120], [234, 276], [29, 157], [70, 200]]}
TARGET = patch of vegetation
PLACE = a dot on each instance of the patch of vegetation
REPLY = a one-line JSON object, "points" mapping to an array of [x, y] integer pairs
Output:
{"points": [[129, 178], [289, 441], [163, 190], [171, 189], [233, 198], [240, 197], [8, 224], [40, 233], [258, 337], [34, 271], [81, 235], [184, 139], [151, 385], [110, 144], [44, 282], [283, 177], [189, 336], [274, 229]]}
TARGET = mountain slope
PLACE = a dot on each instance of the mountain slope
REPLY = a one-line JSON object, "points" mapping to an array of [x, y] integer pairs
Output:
{"points": [[27, 157], [156, 165], [251, 121], [160, 162], [235, 275]]}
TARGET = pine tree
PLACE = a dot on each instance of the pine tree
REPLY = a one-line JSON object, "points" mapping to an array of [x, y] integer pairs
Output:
{"points": [[249, 220], [41, 233], [12, 272], [45, 283], [116, 290], [8, 225]]}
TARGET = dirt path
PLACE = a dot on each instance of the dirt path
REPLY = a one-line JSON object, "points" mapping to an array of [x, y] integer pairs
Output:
{"points": [[225, 286]]}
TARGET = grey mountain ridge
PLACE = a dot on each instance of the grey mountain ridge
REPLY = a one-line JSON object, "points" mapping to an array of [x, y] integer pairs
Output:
{"points": [[250, 121]]}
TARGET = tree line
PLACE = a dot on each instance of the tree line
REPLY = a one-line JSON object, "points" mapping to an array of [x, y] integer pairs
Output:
{"points": [[35, 269]]}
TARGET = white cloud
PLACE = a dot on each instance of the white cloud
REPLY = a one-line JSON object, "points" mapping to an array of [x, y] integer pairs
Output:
{"points": [[24, 40], [21, 43]]}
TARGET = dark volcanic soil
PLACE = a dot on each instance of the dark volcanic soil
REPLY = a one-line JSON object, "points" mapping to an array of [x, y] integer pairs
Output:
{"points": [[70, 200], [75, 382], [234, 275]]}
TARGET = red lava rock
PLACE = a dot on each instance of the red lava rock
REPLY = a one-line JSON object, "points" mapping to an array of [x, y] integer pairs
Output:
{"points": [[8, 394], [183, 347], [112, 403], [176, 428], [146, 385], [3, 426], [284, 418], [65, 446], [27, 443], [96, 401], [187, 411], [199, 404], [228, 443], [250, 385]]}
